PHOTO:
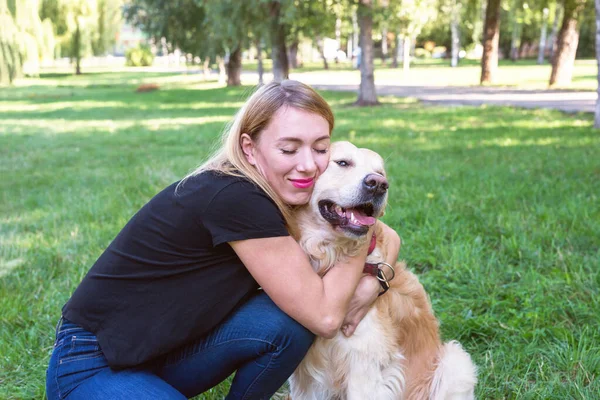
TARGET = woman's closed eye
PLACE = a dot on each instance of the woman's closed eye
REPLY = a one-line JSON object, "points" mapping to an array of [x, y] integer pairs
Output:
{"points": [[294, 151]]}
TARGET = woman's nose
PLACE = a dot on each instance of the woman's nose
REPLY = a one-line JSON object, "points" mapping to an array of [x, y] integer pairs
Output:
{"points": [[307, 162]]}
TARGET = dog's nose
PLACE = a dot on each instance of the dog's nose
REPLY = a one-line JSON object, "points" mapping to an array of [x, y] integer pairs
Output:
{"points": [[375, 183]]}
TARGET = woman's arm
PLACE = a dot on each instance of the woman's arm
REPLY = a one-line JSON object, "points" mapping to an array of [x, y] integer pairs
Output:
{"points": [[368, 288], [282, 269]]}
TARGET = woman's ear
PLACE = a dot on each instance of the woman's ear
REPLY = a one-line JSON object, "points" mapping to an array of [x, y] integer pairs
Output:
{"points": [[248, 148]]}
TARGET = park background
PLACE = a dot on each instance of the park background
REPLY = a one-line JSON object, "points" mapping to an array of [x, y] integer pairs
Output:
{"points": [[105, 102]]}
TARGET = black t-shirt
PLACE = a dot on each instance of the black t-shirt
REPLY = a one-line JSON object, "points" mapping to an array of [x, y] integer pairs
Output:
{"points": [[170, 276]]}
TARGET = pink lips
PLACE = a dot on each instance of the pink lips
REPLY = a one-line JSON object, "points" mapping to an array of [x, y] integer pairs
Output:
{"points": [[303, 183]]}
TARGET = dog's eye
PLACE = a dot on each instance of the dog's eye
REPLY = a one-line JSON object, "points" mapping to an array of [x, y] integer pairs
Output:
{"points": [[342, 163]]}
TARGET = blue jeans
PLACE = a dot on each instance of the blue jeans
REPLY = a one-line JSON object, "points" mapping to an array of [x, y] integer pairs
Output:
{"points": [[258, 340]]}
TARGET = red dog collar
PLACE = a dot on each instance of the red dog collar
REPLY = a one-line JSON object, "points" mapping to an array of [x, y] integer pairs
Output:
{"points": [[375, 271], [373, 244]]}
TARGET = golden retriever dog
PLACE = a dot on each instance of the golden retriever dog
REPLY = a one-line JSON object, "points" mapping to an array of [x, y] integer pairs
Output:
{"points": [[395, 352]]}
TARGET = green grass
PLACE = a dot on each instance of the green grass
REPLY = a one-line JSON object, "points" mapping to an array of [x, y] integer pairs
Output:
{"points": [[499, 210]]}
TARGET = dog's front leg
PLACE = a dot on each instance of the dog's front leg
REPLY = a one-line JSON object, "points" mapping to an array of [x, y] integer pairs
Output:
{"points": [[368, 379]]}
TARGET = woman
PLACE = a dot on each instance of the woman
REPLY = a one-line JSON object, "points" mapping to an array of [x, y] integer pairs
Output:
{"points": [[172, 307]]}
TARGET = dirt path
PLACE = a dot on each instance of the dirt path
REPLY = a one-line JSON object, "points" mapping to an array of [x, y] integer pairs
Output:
{"points": [[564, 100]]}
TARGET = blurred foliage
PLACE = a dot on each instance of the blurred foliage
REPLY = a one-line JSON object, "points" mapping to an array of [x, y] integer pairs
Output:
{"points": [[139, 57], [33, 32], [25, 39], [587, 32], [99, 24], [11, 61]]}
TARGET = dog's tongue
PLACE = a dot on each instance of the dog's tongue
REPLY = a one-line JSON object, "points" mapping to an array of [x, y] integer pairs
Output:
{"points": [[361, 218]]}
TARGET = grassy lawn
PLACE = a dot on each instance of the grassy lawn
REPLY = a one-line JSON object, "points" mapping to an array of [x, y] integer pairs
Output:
{"points": [[499, 210]]}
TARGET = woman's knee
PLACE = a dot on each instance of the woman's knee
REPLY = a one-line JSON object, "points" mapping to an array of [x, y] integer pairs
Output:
{"points": [[285, 332], [298, 337]]}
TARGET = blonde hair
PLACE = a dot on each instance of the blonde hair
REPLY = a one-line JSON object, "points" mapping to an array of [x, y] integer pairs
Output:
{"points": [[254, 116]]}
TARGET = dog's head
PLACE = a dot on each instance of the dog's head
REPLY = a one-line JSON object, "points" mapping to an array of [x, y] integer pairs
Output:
{"points": [[352, 192]]}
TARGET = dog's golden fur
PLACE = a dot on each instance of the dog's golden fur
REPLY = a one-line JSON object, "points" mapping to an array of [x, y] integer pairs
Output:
{"points": [[396, 351]]}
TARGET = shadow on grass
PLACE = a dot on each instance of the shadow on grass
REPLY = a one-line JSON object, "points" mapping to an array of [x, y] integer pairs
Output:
{"points": [[113, 76], [86, 104]]}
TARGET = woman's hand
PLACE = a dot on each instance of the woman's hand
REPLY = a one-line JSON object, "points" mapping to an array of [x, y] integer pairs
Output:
{"points": [[366, 292], [368, 288]]}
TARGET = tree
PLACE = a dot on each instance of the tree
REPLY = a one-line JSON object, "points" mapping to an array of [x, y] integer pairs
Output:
{"points": [[180, 22], [109, 22], [216, 29], [281, 68], [11, 57], [409, 17], [25, 39], [517, 20], [491, 38], [259, 58], [597, 114], [81, 23], [181, 25], [568, 39], [455, 31], [453, 8], [280, 23], [473, 15], [32, 34], [314, 20], [367, 95]]}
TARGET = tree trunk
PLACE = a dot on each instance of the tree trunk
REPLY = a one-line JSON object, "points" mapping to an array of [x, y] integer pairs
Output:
{"points": [[597, 114], [568, 39], [222, 73], [366, 95], [454, 29], [542, 49], [338, 37], [349, 47], [491, 38], [234, 68], [293, 54], [355, 32], [514, 40], [205, 68], [281, 69], [400, 48], [406, 56], [77, 47], [259, 57], [321, 48], [395, 50], [384, 45], [524, 46], [11, 62]]}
